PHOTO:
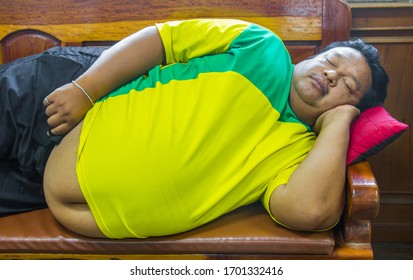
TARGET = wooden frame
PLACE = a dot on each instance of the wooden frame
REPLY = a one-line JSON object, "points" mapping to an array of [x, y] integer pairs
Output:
{"points": [[304, 25]]}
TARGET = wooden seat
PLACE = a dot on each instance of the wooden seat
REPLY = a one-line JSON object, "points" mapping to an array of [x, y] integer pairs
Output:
{"points": [[28, 27]]}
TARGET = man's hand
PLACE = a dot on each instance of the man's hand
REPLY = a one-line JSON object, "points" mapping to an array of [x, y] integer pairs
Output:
{"points": [[343, 113], [65, 108]]}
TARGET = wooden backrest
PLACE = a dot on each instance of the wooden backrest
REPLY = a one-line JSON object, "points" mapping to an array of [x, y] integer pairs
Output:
{"points": [[31, 26]]}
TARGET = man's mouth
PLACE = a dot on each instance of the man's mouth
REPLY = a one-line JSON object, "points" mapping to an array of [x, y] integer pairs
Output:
{"points": [[319, 83]]}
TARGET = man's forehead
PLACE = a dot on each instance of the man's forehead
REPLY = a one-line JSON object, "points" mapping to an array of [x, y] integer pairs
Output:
{"points": [[344, 52]]}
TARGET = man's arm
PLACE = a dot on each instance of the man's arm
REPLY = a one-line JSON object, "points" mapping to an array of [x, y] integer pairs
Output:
{"points": [[126, 60], [313, 198]]}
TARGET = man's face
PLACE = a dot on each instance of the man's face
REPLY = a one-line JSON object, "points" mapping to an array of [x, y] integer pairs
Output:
{"points": [[337, 77]]}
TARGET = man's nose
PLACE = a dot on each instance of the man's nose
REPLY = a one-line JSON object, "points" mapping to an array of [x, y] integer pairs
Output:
{"points": [[331, 76]]}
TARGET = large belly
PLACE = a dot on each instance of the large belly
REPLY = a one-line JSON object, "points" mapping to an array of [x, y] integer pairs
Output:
{"points": [[60, 178]]}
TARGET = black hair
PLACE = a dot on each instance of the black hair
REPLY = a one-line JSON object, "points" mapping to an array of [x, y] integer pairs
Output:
{"points": [[377, 93]]}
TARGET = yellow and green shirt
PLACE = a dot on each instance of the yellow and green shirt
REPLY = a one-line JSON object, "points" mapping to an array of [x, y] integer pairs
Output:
{"points": [[196, 138]]}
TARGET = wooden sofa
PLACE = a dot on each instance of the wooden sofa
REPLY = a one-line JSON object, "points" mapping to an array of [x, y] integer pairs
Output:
{"points": [[28, 27]]}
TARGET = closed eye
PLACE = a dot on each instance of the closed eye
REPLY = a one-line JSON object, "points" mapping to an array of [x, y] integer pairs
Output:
{"points": [[348, 87], [329, 61]]}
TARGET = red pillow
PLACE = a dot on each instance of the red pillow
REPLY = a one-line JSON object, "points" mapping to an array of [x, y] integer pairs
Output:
{"points": [[371, 132]]}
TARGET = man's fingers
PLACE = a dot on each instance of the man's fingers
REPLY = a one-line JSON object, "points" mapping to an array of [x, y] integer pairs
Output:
{"points": [[58, 125], [60, 129], [48, 100], [50, 110], [55, 120]]}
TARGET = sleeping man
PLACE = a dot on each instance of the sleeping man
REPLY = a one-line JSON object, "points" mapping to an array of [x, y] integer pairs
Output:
{"points": [[185, 121]]}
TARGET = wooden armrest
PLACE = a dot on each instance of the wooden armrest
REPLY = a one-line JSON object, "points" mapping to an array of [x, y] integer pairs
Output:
{"points": [[363, 193], [362, 203]]}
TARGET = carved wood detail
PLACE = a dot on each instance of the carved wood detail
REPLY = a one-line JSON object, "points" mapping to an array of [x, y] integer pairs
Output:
{"points": [[25, 43]]}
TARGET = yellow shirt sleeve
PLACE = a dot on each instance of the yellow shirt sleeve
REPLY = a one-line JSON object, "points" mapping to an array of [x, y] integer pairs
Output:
{"points": [[206, 37], [281, 179]]}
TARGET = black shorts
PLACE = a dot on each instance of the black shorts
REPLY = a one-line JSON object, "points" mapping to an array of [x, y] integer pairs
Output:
{"points": [[24, 143]]}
